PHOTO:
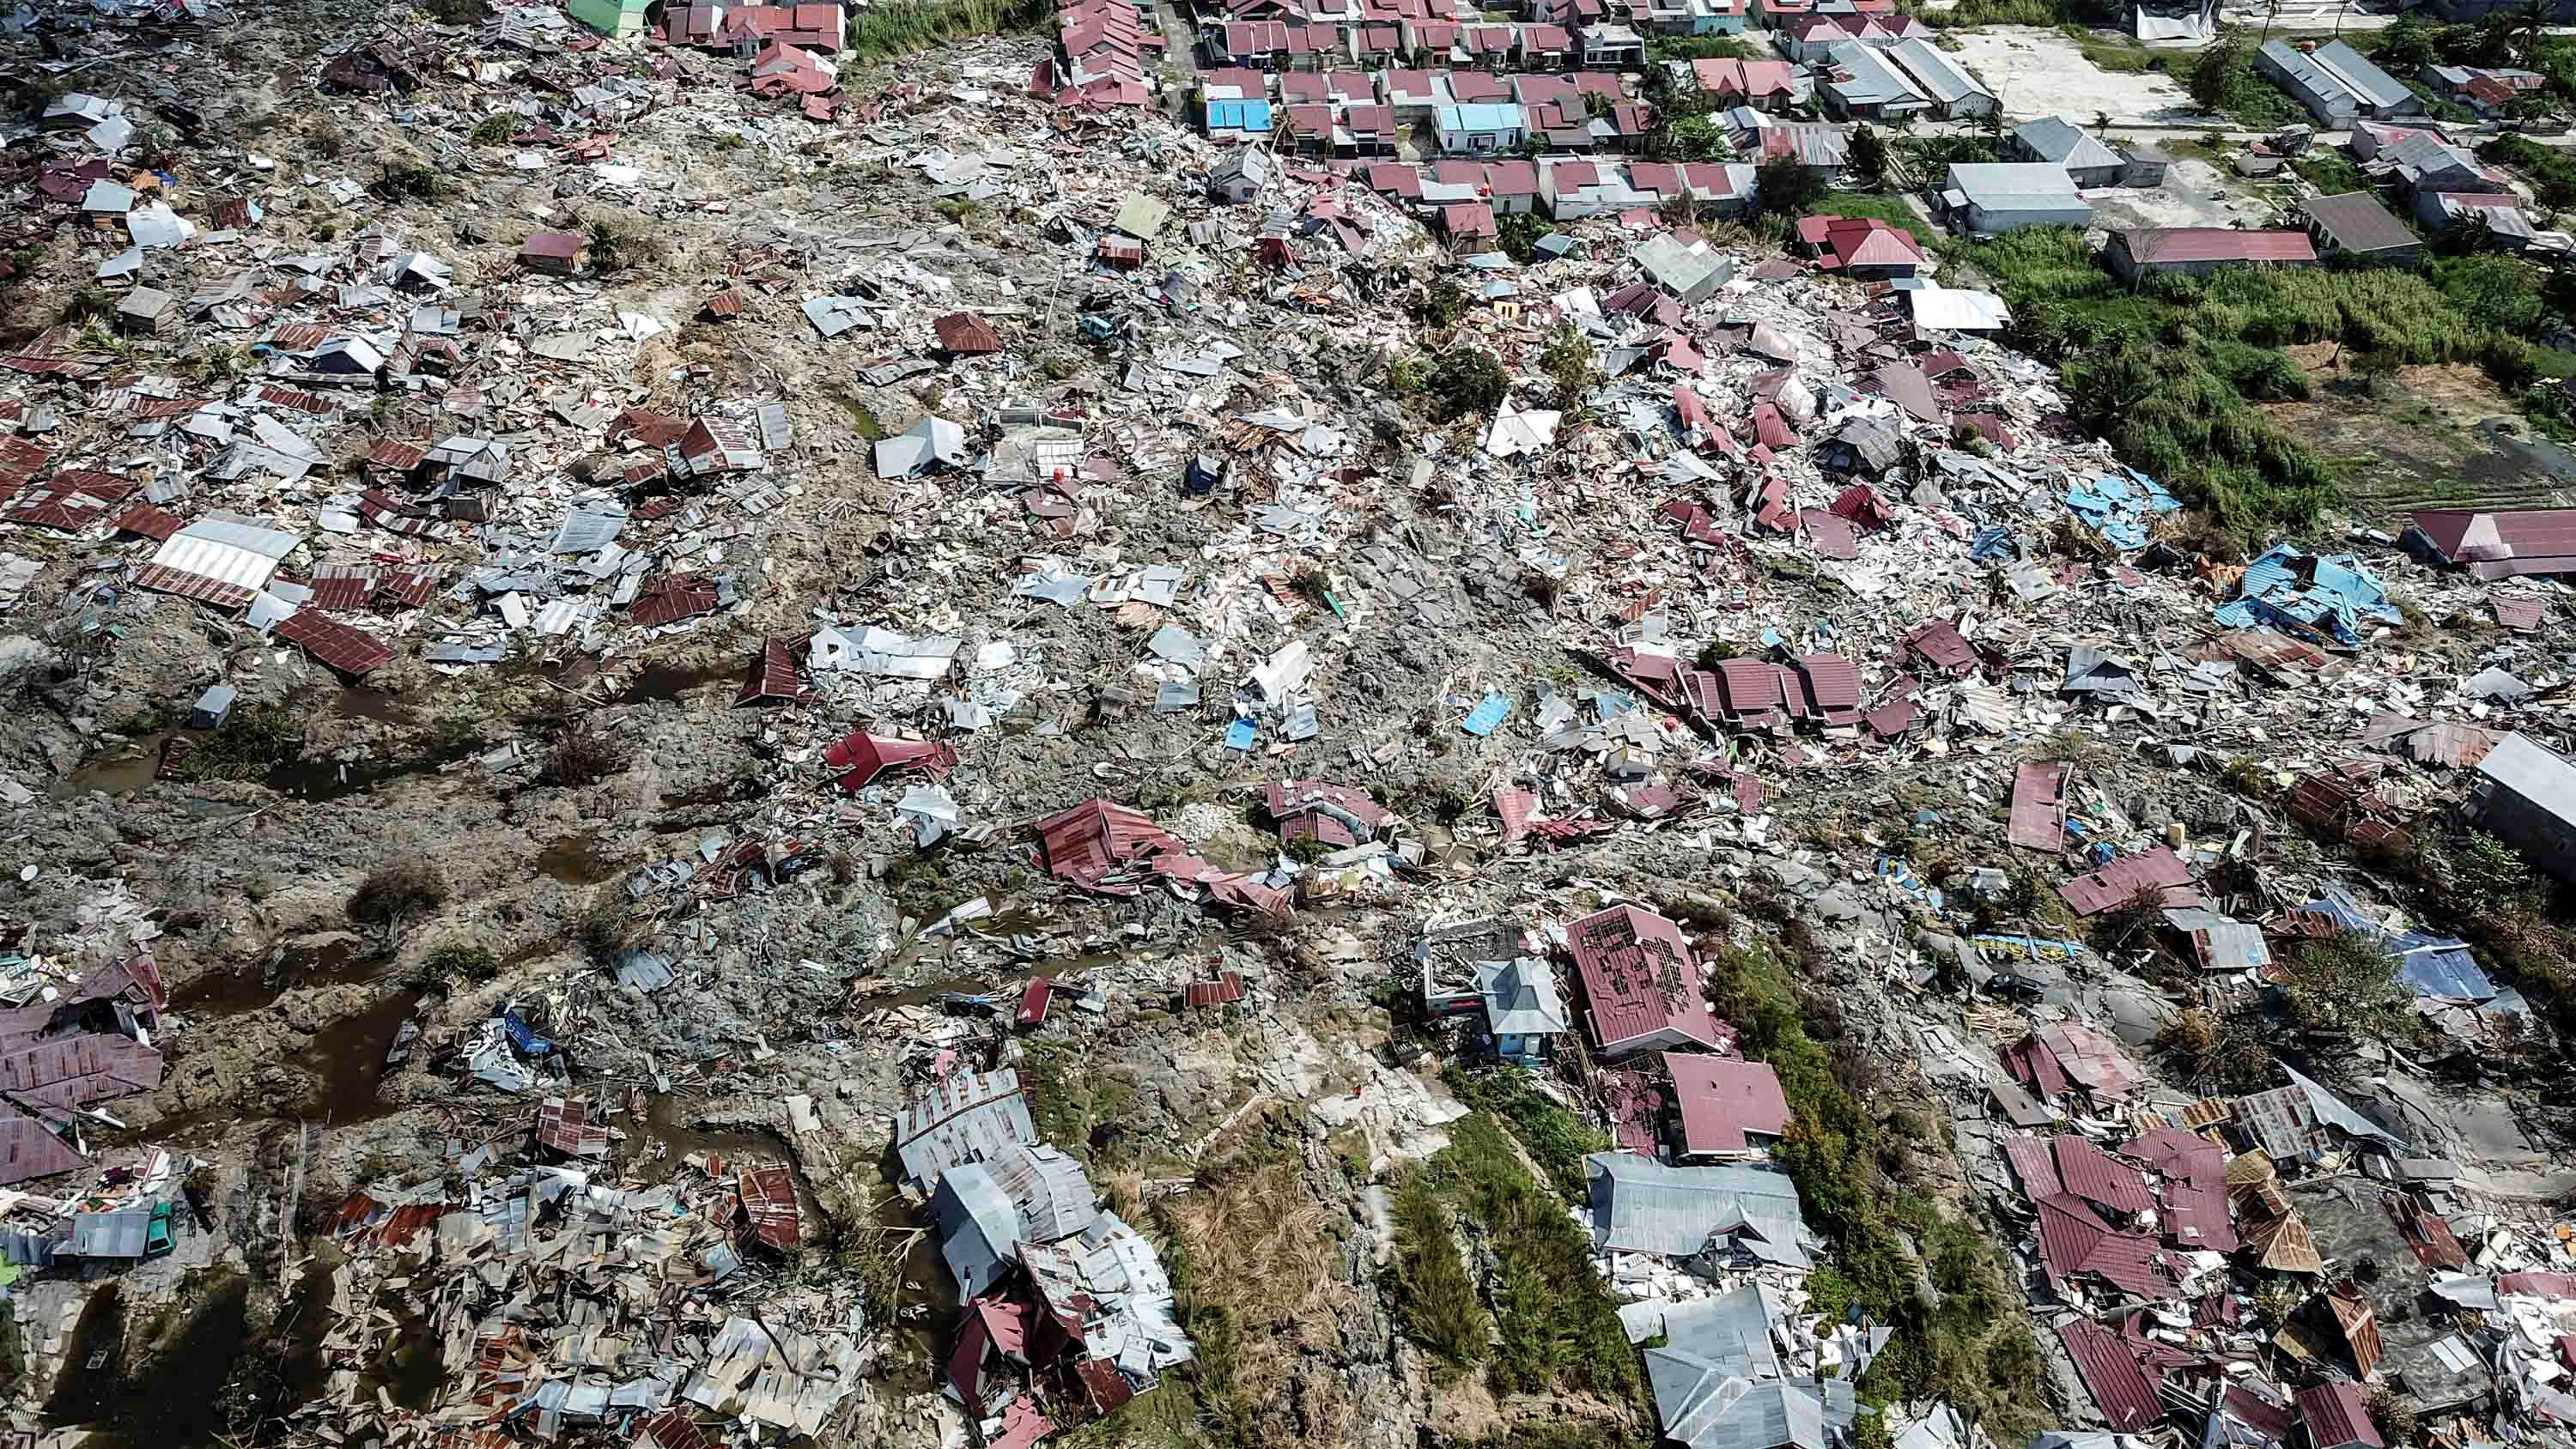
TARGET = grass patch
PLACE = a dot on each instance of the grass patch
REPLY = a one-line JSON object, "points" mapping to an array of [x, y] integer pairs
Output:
{"points": [[1697, 47], [1556, 1139], [1435, 1300], [1558, 1328], [882, 32], [252, 743], [2551, 172], [2166, 370], [1069, 1103], [2331, 172], [1975, 1347]]}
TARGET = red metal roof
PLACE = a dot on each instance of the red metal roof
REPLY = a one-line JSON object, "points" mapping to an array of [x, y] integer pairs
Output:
{"points": [[1086, 841], [773, 675], [29, 1149], [866, 756], [769, 1200], [351, 651], [1033, 1002], [1638, 978], [1831, 682], [163, 579], [2155, 244], [2538, 1285], [2039, 806], [674, 597], [966, 334], [2034, 1165], [2097, 1177], [1228, 987], [2336, 1415], [2515, 542], [2109, 1367], [566, 1127], [1722, 1099], [2074, 1241], [2114, 884]]}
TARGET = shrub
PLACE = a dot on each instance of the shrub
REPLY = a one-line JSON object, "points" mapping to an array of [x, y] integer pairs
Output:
{"points": [[1573, 364], [252, 743], [496, 129], [1435, 1300], [1440, 305], [1466, 382], [585, 756], [2344, 982], [391, 892], [453, 961], [609, 927]]}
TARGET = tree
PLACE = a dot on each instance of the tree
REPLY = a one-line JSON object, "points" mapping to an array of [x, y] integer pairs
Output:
{"points": [[1573, 364], [1465, 382], [1785, 187], [2214, 78], [1518, 234], [1866, 152], [1695, 138]]}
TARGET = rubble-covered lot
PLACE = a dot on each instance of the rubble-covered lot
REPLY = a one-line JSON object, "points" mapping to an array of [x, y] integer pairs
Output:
{"points": [[711, 758]]}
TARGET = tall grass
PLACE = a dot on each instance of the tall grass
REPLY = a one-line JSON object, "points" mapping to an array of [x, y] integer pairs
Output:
{"points": [[882, 32], [2167, 370]]}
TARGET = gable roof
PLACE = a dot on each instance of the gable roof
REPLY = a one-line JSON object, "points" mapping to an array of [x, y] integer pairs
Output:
{"points": [[2358, 223], [2181, 244], [2055, 138], [1627, 957]]}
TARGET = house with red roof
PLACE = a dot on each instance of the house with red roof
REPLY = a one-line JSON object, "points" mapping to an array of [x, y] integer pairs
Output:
{"points": [[1860, 247], [2200, 250], [1765, 85], [1728, 1108], [1640, 987]]}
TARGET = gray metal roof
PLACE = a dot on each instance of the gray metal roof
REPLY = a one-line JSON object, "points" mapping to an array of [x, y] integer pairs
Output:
{"points": [[109, 1235], [1049, 1191], [2054, 138], [2356, 222], [1706, 1409], [977, 1228], [1944, 79], [2535, 773], [1872, 79], [2014, 185], [2337, 69], [1521, 998], [1640, 1205], [970, 1117]]}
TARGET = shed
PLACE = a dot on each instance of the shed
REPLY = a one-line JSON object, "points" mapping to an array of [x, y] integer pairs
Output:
{"points": [[1640, 1205], [2495, 544], [2061, 142], [2354, 225], [2335, 82], [1990, 198], [212, 708], [2525, 793], [2200, 250], [554, 251], [963, 334], [146, 312]]}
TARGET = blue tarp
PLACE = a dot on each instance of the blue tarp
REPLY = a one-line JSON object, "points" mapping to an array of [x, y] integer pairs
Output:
{"points": [[1239, 735], [1484, 717], [2120, 505], [1991, 544], [2339, 595], [2432, 965]]}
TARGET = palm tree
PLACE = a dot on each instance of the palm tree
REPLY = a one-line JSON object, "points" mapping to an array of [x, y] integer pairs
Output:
{"points": [[2531, 23]]}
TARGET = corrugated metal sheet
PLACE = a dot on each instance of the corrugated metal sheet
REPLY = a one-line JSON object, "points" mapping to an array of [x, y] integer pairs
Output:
{"points": [[1723, 1099], [351, 651], [2035, 1166], [2038, 818], [1227, 988], [965, 1118], [1638, 978], [2336, 1415], [769, 1201], [2095, 1176], [30, 1150], [2109, 1367], [2115, 883]]}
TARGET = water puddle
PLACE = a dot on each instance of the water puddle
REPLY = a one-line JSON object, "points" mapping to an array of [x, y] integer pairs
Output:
{"points": [[120, 774], [669, 681], [576, 860], [348, 1059], [336, 962]]}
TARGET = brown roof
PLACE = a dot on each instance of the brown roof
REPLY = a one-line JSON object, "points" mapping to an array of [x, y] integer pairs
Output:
{"points": [[351, 651], [966, 335], [553, 246], [2114, 884]]}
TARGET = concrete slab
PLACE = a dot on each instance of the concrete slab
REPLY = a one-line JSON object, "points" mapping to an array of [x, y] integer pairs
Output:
{"points": [[2039, 72]]}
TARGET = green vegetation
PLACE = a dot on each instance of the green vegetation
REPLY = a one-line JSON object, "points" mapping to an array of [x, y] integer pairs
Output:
{"points": [[1440, 305], [1969, 14], [2223, 79], [1069, 1103], [451, 962], [2116, 53], [391, 892], [1786, 187], [881, 32], [2330, 172], [1555, 1138], [1518, 234], [2480, 888], [1573, 364], [1557, 1325], [2551, 172], [1435, 1299], [1693, 138], [1465, 382], [252, 742], [2345, 982], [496, 129], [2165, 369], [1697, 47], [1973, 1344]]}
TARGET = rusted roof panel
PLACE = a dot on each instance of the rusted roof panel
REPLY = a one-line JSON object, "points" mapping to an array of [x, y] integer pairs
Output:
{"points": [[2039, 806], [163, 579], [149, 522], [1228, 987], [2109, 1367], [30, 1150], [1725, 1101], [566, 1127], [773, 675], [769, 1200], [2116, 883], [2336, 1415], [351, 651], [966, 335], [1638, 978]]}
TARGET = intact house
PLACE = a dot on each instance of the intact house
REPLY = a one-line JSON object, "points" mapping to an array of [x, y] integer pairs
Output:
{"points": [[1862, 248], [1990, 198], [1468, 130], [2336, 83], [1611, 47], [1765, 85], [2525, 794], [2355, 227], [1954, 93], [1727, 1108], [1641, 989], [1860, 83], [2060, 141], [1518, 999], [2200, 250]]}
